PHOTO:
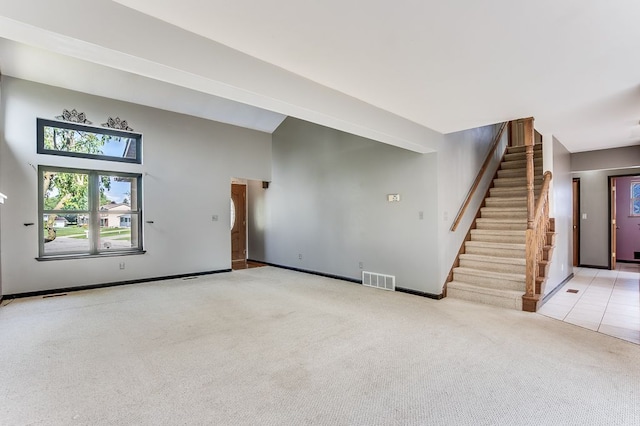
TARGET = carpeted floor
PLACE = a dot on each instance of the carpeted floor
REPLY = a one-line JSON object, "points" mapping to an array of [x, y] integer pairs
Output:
{"points": [[267, 346]]}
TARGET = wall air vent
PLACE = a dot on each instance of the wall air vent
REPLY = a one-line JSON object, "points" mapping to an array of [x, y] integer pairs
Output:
{"points": [[384, 282]]}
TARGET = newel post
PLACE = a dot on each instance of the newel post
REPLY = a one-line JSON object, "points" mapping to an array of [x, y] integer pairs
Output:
{"points": [[528, 146], [528, 300]]}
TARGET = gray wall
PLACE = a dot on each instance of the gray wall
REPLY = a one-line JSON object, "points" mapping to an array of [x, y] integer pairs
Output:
{"points": [[558, 161], [594, 168], [187, 167], [616, 158], [328, 203], [594, 202], [460, 157]]}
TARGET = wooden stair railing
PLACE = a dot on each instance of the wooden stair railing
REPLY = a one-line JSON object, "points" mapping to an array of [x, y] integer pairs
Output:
{"points": [[536, 240], [480, 175]]}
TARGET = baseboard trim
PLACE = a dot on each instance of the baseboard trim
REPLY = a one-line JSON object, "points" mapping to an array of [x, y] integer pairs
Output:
{"points": [[554, 291], [308, 271], [628, 261], [110, 284], [420, 293], [593, 266]]}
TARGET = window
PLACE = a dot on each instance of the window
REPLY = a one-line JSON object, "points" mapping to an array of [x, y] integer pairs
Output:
{"points": [[77, 140], [635, 198], [89, 212]]}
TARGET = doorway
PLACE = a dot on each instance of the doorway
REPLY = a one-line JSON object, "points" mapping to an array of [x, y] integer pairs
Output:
{"points": [[624, 219], [612, 223], [576, 221], [238, 225]]}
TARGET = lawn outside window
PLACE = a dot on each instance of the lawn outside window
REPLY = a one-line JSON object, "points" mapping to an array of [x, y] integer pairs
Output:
{"points": [[88, 213]]}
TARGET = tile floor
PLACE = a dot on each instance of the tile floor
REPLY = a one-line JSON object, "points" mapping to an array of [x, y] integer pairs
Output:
{"points": [[606, 301]]}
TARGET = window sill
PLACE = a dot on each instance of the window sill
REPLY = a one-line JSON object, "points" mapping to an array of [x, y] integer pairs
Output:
{"points": [[90, 256]]}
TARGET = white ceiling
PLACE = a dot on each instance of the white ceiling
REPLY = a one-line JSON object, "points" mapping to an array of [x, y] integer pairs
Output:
{"points": [[29, 63], [386, 70]]}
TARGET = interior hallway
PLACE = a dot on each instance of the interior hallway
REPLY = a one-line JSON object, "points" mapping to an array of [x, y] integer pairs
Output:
{"points": [[607, 301]]}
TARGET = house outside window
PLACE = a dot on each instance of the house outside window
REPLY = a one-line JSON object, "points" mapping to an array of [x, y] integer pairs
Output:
{"points": [[91, 204]]}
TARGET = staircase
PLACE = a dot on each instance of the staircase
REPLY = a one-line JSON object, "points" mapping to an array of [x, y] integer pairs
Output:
{"points": [[492, 266]]}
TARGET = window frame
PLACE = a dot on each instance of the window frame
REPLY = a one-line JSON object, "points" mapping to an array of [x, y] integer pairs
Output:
{"points": [[42, 123], [93, 212], [632, 198]]}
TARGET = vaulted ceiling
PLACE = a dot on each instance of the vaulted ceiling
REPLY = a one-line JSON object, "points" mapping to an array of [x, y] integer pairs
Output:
{"points": [[391, 71]]}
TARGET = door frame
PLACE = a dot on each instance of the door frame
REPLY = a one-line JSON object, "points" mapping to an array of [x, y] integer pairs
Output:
{"points": [[610, 179], [612, 222], [244, 220], [575, 236]]}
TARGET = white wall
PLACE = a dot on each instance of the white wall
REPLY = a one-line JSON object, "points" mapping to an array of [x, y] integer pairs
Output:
{"points": [[557, 159], [187, 165], [460, 157]]}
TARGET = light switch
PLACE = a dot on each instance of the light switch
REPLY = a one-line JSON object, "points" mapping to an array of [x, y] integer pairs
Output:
{"points": [[584, 215]]}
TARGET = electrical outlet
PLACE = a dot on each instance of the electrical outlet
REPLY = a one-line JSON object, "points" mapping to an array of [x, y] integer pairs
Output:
{"points": [[300, 256], [214, 218], [121, 265], [360, 265], [393, 197], [421, 215]]}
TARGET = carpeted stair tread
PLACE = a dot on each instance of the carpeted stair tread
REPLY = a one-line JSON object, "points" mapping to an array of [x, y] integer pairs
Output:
{"points": [[515, 181], [517, 224], [506, 212], [504, 173], [521, 149], [494, 259], [503, 191], [499, 276], [515, 201], [519, 164], [510, 246], [498, 235], [504, 298], [492, 268]]}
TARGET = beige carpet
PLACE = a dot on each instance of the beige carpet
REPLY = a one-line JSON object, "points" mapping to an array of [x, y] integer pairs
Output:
{"points": [[273, 347]]}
